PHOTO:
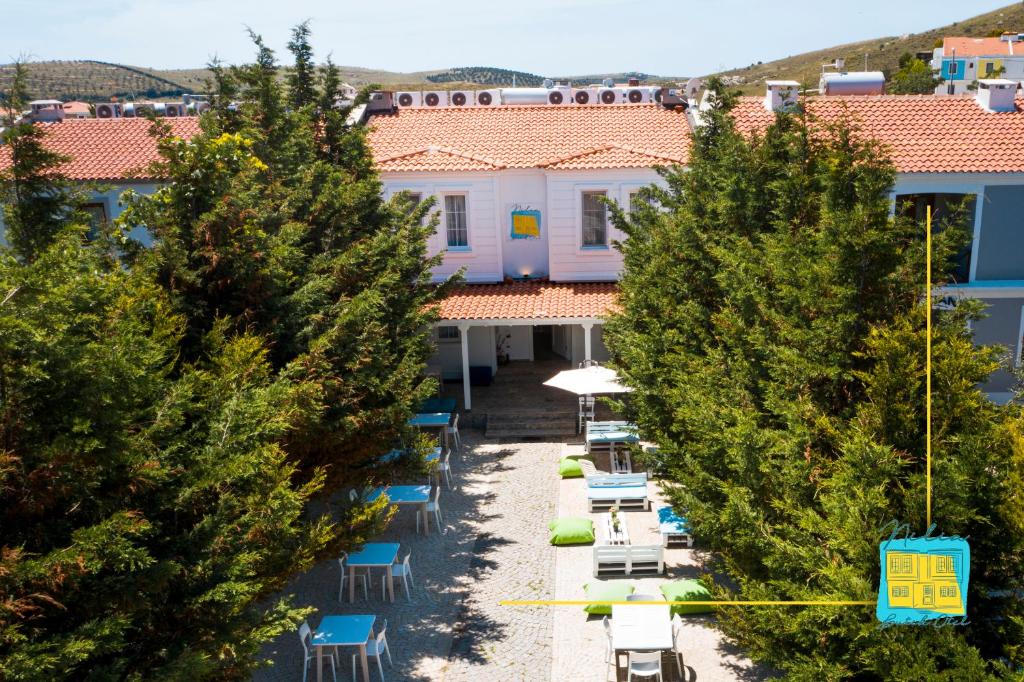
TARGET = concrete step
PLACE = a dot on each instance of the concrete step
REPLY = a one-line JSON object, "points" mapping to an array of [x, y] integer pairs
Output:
{"points": [[530, 424]]}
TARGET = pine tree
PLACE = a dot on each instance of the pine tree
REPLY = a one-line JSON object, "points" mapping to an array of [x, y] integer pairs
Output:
{"points": [[167, 414], [38, 202], [772, 327]]}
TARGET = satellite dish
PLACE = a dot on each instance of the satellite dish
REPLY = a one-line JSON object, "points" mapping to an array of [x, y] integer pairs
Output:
{"points": [[692, 87]]}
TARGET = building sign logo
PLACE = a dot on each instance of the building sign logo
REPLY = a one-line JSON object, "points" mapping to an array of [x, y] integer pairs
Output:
{"points": [[923, 579], [525, 223]]}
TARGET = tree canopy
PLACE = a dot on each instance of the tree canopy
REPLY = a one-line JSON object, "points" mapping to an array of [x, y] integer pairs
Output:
{"points": [[772, 327], [168, 412]]}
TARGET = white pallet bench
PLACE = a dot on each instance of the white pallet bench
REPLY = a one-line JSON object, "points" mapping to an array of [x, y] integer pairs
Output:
{"points": [[628, 560], [625, 491]]}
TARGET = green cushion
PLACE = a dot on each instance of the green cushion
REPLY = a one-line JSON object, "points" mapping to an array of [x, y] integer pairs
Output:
{"points": [[612, 590], [570, 468], [687, 590], [571, 531]]}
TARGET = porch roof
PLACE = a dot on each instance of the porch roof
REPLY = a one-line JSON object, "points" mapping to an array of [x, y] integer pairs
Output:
{"points": [[530, 301]]}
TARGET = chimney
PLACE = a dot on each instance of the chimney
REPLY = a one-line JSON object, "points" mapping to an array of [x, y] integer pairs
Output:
{"points": [[997, 95], [781, 95]]}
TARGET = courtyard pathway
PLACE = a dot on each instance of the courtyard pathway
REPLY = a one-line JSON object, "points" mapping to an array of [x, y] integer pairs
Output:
{"points": [[494, 546]]}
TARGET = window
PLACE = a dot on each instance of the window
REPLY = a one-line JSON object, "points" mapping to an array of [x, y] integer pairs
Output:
{"points": [[97, 214], [448, 333], [637, 200], [595, 219], [455, 220], [952, 68], [901, 591]]}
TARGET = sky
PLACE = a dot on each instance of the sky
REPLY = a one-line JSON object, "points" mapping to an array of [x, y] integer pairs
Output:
{"points": [[546, 37]]}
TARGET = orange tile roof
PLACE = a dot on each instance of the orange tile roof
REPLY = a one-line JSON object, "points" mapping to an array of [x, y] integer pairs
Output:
{"points": [[924, 133], [106, 149], [981, 47], [560, 137], [530, 301]]}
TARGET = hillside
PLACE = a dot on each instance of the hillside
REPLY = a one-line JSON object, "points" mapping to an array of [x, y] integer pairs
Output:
{"points": [[882, 53], [93, 81]]}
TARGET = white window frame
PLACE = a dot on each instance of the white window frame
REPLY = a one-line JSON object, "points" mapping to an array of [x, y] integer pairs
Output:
{"points": [[953, 68], [447, 337], [592, 248], [1020, 340], [468, 246]]}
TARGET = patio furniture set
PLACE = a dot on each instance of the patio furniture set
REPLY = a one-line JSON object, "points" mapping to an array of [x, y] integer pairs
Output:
{"points": [[336, 632], [642, 633]]}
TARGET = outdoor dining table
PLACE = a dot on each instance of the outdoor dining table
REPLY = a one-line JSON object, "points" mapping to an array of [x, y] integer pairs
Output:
{"points": [[611, 432], [373, 555], [646, 626], [406, 494], [343, 631], [433, 420]]}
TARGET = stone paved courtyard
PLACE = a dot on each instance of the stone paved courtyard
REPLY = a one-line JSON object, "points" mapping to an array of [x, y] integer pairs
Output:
{"points": [[494, 546]]}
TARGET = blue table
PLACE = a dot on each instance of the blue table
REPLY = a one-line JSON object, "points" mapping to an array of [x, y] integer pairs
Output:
{"points": [[392, 455], [433, 420], [406, 494], [343, 631], [372, 555], [430, 420]]}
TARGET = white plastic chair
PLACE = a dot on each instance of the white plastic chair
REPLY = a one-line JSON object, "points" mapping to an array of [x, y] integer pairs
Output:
{"points": [[453, 432], [306, 637], [644, 664], [445, 469], [586, 413], [677, 643], [374, 647], [433, 507], [344, 577], [401, 570]]}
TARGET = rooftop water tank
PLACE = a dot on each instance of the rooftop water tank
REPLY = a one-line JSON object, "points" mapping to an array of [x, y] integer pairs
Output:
{"points": [[524, 95], [852, 83]]}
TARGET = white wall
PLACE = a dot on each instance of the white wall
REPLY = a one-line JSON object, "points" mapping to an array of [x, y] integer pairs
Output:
{"points": [[493, 254], [527, 190], [519, 341], [110, 200], [483, 258], [448, 352], [568, 260]]}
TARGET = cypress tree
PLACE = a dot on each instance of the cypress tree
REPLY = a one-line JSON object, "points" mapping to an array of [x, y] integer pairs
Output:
{"points": [[772, 326]]}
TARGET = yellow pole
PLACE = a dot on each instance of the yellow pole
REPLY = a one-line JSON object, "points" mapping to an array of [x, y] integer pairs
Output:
{"points": [[928, 365]]}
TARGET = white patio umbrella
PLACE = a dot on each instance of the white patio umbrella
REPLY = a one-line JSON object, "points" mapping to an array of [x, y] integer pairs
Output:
{"points": [[588, 381]]}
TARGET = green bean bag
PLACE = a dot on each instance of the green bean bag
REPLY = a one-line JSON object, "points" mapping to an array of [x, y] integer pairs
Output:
{"points": [[687, 590], [613, 590], [570, 468], [571, 531]]}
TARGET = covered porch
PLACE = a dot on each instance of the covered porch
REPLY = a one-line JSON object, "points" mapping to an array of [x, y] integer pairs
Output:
{"points": [[498, 343]]}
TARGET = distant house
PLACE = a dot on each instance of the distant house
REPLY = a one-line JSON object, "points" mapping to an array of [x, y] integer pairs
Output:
{"points": [[109, 155], [946, 150], [77, 110], [962, 61]]}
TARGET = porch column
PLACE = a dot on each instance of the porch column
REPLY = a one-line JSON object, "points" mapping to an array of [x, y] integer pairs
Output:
{"points": [[464, 339], [588, 327]]}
